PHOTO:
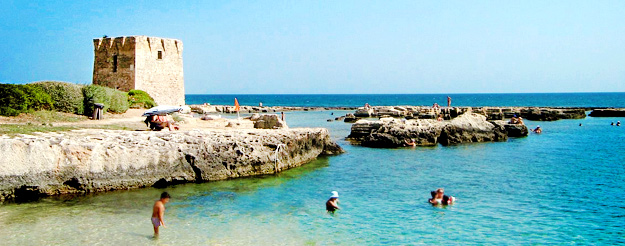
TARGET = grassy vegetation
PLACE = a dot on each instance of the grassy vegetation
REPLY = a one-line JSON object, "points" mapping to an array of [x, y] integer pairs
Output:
{"points": [[16, 129]]}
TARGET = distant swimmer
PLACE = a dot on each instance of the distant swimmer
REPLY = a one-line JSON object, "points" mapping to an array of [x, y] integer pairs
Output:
{"points": [[612, 123], [580, 124], [538, 130], [332, 203], [618, 123], [439, 198], [158, 211]]}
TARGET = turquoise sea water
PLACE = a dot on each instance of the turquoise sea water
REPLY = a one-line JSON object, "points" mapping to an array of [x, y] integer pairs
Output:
{"points": [[565, 186], [613, 99]]}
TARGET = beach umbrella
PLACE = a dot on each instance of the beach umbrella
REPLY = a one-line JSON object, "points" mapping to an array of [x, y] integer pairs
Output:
{"points": [[237, 107], [162, 110]]}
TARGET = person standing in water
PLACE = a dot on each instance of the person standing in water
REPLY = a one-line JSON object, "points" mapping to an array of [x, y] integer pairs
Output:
{"points": [[332, 203], [158, 211], [448, 101]]}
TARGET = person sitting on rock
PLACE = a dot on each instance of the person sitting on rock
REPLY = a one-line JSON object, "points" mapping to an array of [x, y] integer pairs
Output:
{"points": [[332, 203], [513, 120], [162, 121], [440, 117], [520, 121]]}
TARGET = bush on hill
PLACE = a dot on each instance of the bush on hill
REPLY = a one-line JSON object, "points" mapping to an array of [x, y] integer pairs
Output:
{"points": [[140, 99], [16, 99], [67, 97], [114, 101]]}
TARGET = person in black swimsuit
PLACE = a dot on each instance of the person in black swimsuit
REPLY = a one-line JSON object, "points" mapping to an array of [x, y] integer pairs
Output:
{"points": [[332, 203]]}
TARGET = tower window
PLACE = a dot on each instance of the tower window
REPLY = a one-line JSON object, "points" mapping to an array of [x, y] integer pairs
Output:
{"points": [[114, 63], [160, 55]]}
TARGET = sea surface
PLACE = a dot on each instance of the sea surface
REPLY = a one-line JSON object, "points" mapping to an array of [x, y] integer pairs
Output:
{"points": [[565, 186], [613, 99]]}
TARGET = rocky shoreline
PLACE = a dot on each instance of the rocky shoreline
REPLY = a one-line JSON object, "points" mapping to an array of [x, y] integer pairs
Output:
{"points": [[85, 161], [429, 112]]}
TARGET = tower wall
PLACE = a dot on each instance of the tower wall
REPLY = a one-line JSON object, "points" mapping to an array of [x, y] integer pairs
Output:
{"points": [[162, 77], [151, 64], [114, 62]]}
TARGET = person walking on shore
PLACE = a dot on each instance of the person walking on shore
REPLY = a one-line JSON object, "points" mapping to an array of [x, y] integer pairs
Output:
{"points": [[332, 203], [158, 211]]}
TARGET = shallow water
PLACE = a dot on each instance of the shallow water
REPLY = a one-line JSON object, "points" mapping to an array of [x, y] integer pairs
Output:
{"points": [[565, 186]]}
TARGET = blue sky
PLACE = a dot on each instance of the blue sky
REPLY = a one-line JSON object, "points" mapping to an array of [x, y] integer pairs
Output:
{"points": [[255, 47]]}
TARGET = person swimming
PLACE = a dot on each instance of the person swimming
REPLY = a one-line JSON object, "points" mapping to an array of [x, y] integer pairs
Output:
{"points": [[618, 123], [332, 203], [410, 142], [538, 130], [439, 198]]}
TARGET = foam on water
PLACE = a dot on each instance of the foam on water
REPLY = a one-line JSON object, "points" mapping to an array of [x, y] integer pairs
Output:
{"points": [[565, 186]]}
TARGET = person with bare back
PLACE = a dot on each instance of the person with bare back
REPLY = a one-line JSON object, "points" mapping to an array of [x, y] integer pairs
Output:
{"points": [[158, 211]]}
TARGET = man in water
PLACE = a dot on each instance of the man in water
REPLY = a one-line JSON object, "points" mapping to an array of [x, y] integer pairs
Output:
{"points": [[332, 203], [448, 101], [158, 211], [538, 129], [618, 123]]}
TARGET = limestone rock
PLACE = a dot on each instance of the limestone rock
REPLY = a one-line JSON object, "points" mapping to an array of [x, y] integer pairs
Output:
{"points": [[94, 160], [513, 130], [268, 121], [392, 133], [469, 128]]}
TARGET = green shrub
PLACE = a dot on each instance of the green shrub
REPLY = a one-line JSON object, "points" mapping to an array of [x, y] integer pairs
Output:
{"points": [[16, 99], [114, 101], [119, 102], [67, 97], [140, 99]]}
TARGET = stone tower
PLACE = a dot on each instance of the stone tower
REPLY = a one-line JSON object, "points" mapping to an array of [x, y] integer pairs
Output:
{"points": [[150, 64]]}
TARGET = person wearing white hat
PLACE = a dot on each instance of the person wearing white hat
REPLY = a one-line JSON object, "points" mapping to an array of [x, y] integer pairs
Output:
{"points": [[538, 129], [332, 203]]}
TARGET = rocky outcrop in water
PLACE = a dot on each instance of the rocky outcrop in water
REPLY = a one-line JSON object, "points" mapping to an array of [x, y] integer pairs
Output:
{"points": [[86, 161], [267, 121], [471, 128], [467, 128], [610, 112], [491, 113]]}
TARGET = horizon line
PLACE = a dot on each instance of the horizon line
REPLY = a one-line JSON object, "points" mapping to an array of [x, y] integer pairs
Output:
{"points": [[464, 93]]}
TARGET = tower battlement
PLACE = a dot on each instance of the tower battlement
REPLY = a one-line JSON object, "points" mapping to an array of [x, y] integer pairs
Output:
{"points": [[151, 64]]}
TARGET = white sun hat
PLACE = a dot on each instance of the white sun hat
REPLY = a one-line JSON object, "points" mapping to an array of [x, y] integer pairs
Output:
{"points": [[335, 194]]}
